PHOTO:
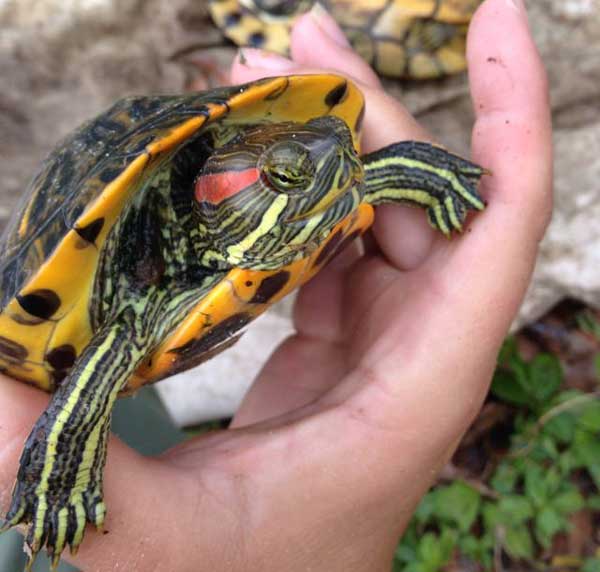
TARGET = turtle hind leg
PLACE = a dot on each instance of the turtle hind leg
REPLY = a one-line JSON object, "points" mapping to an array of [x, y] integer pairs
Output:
{"points": [[59, 483]]}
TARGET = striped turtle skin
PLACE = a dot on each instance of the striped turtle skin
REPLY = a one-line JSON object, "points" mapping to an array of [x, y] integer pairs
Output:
{"points": [[156, 232], [412, 39]]}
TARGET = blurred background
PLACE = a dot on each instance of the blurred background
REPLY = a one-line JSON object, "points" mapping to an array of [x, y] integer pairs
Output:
{"points": [[63, 61]]}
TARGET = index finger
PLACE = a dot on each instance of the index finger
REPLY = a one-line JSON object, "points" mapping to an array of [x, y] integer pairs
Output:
{"points": [[512, 137]]}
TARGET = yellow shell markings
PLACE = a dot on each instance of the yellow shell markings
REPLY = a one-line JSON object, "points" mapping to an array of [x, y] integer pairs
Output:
{"points": [[69, 270], [321, 95], [234, 296], [380, 30]]}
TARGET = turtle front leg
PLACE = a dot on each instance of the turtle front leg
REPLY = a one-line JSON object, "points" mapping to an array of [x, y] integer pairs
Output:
{"points": [[59, 483], [427, 176]]}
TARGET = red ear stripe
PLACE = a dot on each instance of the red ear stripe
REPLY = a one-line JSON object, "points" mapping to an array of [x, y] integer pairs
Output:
{"points": [[219, 186]]}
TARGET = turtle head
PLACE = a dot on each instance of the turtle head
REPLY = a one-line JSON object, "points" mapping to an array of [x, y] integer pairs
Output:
{"points": [[273, 194]]}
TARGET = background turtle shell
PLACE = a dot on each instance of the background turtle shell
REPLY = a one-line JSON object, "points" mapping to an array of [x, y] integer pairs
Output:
{"points": [[416, 39], [50, 249]]}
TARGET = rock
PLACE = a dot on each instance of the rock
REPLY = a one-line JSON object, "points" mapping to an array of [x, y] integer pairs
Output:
{"points": [[64, 61]]}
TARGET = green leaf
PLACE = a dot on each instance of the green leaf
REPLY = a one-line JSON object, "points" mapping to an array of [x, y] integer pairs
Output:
{"points": [[547, 448], [506, 387], [545, 377], [518, 542], [586, 448], [458, 503], [553, 480], [426, 508], [561, 427], [448, 540], [504, 478], [597, 366], [479, 550], [547, 523], [405, 552], [414, 566], [492, 516], [589, 417], [568, 462], [535, 485], [568, 502], [514, 509], [591, 565], [593, 502], [509, 351], [594, 471], [432, 552]]}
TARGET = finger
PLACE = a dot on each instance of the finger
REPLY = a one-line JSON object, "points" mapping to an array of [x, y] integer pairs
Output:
{"points": [[512, 138], [467, 294], [251, 64], [424, 378]]}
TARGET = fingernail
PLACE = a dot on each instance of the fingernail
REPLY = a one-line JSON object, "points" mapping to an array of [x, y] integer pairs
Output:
{"points": [[328, 25], [254, 58]]}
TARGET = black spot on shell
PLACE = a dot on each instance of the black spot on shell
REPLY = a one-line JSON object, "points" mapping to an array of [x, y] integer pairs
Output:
{"points": [[336, 95], [248, 283], [90, 232], [329, 248], [12, 351], [359, 120], [58, 375], [61, 357], [270, 287], [278, 92], [232, 19], [256, 40], [214, 337], [40, 303]]}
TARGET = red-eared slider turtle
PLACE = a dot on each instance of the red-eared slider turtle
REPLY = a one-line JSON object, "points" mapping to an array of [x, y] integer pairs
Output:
{"points": [[159, 230], [416, 39]]}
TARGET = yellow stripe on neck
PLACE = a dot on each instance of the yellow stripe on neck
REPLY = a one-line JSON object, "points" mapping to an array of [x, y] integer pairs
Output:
{"points": [[236, 251]]}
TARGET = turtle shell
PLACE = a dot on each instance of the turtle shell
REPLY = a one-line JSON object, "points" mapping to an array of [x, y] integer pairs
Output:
{"points": [[51, 248], [416, 39]]}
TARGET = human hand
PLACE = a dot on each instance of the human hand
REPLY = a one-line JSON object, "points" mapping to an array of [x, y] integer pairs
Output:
{"points": [[350, 421]]}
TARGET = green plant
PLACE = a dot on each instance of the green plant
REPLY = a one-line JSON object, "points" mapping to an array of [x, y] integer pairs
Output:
{"points": [[532, 491]]}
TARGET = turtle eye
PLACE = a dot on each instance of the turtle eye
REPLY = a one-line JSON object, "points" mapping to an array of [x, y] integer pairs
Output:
{"points": [[287, 179], [287, 167]]}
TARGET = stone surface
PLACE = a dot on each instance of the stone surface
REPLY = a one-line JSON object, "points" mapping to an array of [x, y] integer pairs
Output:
{"points": [[62, 61]]}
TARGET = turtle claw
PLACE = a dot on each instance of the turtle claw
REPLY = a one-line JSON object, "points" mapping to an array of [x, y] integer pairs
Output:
{"points": [[448, 216], [56, 523], [449, 212]]}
